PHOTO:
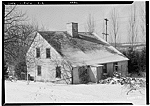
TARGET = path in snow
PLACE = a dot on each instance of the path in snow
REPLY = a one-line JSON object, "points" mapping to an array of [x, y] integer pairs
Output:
{"points": [[37, 92]]}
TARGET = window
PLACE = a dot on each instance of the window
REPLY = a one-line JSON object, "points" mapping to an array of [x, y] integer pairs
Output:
{"points": [[115, 66], [104, 68], [37, 52], [39, 70], [47, 52], [58, 72]]}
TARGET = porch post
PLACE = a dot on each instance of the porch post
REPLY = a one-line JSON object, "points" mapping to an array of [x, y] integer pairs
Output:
{"points": [[27, 78], [99, 74]]}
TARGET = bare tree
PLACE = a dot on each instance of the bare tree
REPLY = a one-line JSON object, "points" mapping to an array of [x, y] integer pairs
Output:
{"points": [[143, 22], [17, 37], [12, 20], [90, 26], [16, 32], [114, 25], [133, 27]]}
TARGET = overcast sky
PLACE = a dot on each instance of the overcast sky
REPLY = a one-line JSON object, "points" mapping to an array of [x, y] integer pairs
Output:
{"points": [[55, 17]]}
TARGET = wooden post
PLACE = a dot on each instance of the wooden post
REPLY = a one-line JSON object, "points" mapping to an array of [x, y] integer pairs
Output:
{"points": [[35, 75], [27, 79], [99, 73], [121, 70], [72, 76]]}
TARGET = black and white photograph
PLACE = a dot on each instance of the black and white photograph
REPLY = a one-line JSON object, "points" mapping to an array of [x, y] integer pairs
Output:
{"points": [[75, 52]]}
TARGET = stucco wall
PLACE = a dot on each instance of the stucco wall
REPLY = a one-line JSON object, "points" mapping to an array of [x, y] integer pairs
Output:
{"points": [[92, 74], [75, 76], [110, 69], [99, 73]]}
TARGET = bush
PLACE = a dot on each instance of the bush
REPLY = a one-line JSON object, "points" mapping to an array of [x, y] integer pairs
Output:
{"points": [[137, 60], [142, 63], [19, 69], [5, 70]]}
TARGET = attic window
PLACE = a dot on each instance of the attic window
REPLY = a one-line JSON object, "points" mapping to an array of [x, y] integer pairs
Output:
{"points": [[37, 52], [47, 52]]}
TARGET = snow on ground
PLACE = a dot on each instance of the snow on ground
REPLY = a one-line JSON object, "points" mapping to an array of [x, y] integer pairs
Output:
{"points": [[40, 92]]}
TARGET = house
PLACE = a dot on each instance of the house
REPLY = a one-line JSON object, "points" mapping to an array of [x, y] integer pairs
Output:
{"points": [[64, 54]]}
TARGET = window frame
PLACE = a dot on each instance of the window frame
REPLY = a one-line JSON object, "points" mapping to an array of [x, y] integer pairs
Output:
{"points": [[48, 53], [38, 54], [39, 67]]}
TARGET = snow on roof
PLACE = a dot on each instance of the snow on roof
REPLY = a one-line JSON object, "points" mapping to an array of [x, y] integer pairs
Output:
{"points": [[87, 49], [93, 58]]}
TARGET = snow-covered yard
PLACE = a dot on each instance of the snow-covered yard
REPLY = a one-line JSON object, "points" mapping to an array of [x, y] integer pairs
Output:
{"points": [[40, 92]]}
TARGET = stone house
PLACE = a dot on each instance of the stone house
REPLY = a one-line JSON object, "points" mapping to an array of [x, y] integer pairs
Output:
{"points": [[60, 54]]}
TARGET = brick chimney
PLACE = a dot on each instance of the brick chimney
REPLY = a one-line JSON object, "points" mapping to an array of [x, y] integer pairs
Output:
{"points": [[72, 29]]}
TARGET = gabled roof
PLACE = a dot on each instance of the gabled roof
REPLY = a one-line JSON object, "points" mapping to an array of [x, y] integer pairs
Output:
{"points": [[86, 49]]}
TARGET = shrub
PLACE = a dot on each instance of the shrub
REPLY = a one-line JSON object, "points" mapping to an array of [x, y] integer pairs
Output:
{"points": [[83, 75], [137, 60], [5, 70], [19, 69], [142, 63]]}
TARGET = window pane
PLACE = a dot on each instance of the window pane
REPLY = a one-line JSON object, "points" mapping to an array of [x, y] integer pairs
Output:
{"points": [[47, 52], [37, 52], [39, 70]]}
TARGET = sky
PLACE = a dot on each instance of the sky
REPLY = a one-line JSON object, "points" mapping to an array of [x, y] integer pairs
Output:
{"points": [[55, 17]]}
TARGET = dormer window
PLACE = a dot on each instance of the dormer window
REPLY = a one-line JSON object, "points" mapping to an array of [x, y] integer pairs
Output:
{"points": [[48, 53], [37, 52]]}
